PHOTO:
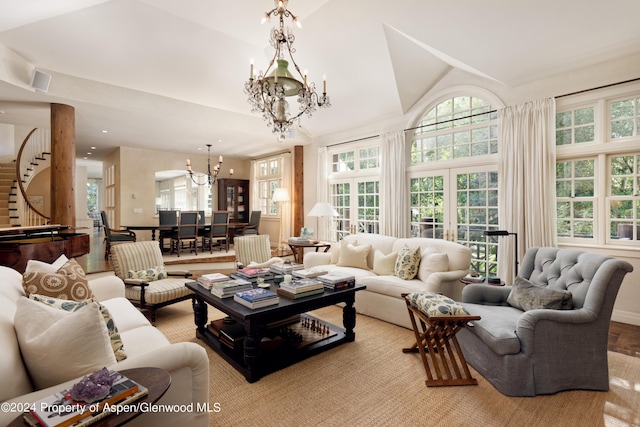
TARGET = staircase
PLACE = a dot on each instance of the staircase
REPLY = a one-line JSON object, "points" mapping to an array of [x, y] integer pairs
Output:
{"points": [[8, 194]]}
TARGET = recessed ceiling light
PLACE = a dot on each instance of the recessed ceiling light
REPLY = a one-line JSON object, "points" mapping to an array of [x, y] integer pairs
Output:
{"points": [[93, 148], [104, 131], [89, 152]]}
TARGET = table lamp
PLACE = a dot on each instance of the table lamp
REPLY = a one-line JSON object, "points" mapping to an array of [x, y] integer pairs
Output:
{"points": [[322, 209]]}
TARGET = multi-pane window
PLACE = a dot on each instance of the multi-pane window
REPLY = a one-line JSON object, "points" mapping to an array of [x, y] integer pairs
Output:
{"points": [[575, 126], [369, 158], [575, 198], [624, 118], [624, 196], [598, 184], [458, 127], [427, 206], [369, 206], [343, 162], [269, 178]]}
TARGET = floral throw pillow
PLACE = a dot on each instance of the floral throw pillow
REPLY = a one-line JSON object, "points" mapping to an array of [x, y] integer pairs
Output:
{"points": [[150, 274], [72, 306], [69, 282], [407, 263]]}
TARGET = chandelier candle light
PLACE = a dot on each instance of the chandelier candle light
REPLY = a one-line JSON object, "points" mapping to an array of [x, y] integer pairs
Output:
{"points": [[268, 92], [212, 176]]}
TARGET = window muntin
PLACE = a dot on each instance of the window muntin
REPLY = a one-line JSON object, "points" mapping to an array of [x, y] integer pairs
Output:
{"points": [[575, 126], [269, 178], [575, 198], [369, 158], [458, 127], [624, 118], [624, 200], [343, 162]]}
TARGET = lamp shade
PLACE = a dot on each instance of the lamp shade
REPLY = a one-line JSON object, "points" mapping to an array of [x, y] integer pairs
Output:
{"points": [[280, 195], [323, 209]]}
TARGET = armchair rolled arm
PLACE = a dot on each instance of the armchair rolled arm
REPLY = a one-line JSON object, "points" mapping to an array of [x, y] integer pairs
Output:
{"points": [[107, 287], [479, 293], [445, 276]]}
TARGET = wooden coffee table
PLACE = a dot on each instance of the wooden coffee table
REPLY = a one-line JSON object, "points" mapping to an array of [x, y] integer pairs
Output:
{"points": [[253, 361]]}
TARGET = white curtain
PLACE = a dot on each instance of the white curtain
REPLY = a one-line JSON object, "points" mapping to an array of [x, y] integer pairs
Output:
{"points": [[286, 207], [255, 188], [394, 207], [322, 187], [526, 169]]}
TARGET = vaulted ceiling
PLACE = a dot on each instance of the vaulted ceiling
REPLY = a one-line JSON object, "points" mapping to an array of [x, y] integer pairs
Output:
{"points": [[170, 74]]}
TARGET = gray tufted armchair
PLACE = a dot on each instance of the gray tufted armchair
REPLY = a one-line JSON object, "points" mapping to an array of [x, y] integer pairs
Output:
{"points": [[543, 351]]}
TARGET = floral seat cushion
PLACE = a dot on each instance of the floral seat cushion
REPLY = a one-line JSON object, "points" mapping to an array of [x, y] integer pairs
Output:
{"points": [[436, 305]]}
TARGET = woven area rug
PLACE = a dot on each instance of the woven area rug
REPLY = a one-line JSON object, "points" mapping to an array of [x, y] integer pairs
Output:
{"points": [[370, 382]]}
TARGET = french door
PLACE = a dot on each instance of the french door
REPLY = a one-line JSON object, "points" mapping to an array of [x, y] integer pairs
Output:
{"points": [[357, 202], [458, 205]]}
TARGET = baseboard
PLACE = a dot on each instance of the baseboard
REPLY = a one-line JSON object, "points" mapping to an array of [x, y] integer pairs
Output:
{"points": [[629, 317]]}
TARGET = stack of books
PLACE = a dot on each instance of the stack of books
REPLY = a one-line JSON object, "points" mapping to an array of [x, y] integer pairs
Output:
{"points": [[232, 336], [300, 288], [228, 288], [207, 280], [279, 267], [310, 273], [336, 281], [252, 274], [256, 298], [60, 409]]}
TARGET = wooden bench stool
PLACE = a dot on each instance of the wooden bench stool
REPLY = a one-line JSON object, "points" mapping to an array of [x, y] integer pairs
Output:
{"points": [[436, 319]]}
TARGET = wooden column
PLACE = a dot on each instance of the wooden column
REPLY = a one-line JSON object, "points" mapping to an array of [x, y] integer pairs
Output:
{"points": [[63, 160], [298, 189]]}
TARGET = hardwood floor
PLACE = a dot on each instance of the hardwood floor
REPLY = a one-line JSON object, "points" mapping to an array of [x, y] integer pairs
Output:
{"points": [[623, 338]]}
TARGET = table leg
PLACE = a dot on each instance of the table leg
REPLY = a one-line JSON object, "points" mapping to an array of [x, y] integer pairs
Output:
{"points": [[153, 234], [200, 314], [252, 354], [349, 319]]}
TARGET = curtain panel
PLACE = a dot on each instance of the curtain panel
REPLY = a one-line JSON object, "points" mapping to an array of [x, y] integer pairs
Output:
{"points": [[394, 207], [527, 189]]}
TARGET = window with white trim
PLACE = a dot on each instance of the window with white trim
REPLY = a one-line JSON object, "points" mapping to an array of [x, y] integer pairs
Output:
{"points": [[269, 178], [598, 166]]}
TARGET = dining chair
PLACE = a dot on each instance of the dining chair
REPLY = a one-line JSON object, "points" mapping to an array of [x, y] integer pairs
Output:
{"points": [[252, 227], [114, 236], [187, 233], [167, 218], [217, 232]]}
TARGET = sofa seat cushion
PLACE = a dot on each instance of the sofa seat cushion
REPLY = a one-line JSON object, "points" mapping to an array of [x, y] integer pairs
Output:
{"points": [[358, 273], [159, 291], [391, 285], [497, 327]]}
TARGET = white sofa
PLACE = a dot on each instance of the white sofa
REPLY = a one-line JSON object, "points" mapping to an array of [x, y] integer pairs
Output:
{"points": [[382, 298], [144, 345]]}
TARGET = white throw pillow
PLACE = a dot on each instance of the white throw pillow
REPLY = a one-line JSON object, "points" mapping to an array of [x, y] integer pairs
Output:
{"points": [[384, 265], [57, 345], [354, 256], [335, 249], [432, 261]]}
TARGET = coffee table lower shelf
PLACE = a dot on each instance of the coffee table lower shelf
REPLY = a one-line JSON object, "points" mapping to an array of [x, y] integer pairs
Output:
{"points": [[272, 360]]}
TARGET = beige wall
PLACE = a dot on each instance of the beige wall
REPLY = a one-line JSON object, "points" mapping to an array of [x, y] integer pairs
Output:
{"points": [[137, 186]]}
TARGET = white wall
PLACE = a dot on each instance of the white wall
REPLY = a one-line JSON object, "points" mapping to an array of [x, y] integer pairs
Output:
{"points": [[627, 308]]}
